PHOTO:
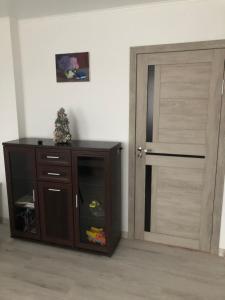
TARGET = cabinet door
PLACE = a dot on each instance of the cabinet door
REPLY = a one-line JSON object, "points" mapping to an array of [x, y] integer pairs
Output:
{"points": [[23, 204], [89, 171], [56, 213]]}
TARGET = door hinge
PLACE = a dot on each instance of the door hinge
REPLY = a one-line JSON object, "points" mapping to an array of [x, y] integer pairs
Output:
{"points": [[222, 87]]}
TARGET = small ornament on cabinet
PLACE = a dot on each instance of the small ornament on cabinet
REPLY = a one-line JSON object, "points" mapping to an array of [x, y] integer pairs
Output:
{"points": [[62, 133]]}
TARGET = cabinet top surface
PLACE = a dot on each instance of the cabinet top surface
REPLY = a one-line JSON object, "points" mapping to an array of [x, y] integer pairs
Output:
{"points": [[79, 144]]}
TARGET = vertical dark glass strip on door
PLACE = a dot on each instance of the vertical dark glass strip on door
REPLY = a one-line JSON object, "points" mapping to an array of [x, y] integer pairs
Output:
{"points": [[149, 137], [148, 192], [150, 93]]}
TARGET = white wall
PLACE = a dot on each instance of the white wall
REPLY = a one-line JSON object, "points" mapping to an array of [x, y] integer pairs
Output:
{"points": [[4, 8], [99, 109], [8, 115]]}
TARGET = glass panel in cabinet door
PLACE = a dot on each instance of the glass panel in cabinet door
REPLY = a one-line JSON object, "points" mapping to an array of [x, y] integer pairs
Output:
{"points": [[22, 178], [91, 194]]}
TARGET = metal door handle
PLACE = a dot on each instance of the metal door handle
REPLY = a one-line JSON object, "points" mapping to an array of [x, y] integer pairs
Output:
{"points": [[76, 201], [139, 149], [34, 196], [53, 174], [52, 157], [54, 190]]}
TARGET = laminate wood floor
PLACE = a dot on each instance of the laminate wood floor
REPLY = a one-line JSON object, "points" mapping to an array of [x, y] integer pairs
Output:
{"points": [[137, 271]]}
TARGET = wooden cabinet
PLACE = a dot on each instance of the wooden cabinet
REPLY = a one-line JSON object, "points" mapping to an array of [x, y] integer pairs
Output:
{"points": [[69, 195], [56, 212]]}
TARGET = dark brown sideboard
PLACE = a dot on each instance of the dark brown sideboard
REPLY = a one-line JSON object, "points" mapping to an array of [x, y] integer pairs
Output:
{"points": [[68, 195]]}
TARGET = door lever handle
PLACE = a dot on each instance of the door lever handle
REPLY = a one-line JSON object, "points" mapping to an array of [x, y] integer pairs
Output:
{"points": [[139, 149]]}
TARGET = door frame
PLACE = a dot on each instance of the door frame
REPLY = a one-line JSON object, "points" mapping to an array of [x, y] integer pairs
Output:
{"points": [[218, 200]]}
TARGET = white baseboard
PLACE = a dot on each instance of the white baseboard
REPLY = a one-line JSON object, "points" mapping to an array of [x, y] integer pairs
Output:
{"points": [[124, 234], [222, 252], [4, 221]]}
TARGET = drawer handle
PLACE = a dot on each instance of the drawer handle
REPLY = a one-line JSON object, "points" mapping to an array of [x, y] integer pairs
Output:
{"points": [[52, 157], [76, 203], [53, 174], [54, 190], [34, 199]]}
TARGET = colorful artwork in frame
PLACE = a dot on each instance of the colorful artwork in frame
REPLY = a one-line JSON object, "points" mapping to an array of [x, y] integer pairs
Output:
{"points": [[72, 67]]}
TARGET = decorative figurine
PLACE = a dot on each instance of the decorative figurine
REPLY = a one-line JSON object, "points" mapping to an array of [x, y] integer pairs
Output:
{"points": [[62, 132]]}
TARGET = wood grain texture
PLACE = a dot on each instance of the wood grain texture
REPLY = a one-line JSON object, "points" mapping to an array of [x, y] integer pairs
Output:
{"points": [[54, 173], [219, 188], [184, 136], [184, 57], [56, 213], [189, 136], [137, 271], [181, 97], [171, 240], [184, 93], [176, 202], [178, 90], [179, 162], [58, 220], [192, 73], [142, 79], [216, 44], [212, 142], [182, 122], [132, 144], [192, 107]]}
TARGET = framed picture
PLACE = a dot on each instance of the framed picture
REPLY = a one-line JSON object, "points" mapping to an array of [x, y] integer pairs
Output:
{"points": [[72, 67]]}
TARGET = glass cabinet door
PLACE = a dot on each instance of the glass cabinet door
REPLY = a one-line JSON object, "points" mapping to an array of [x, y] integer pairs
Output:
{"points": [[91, 201], [23, 205]]}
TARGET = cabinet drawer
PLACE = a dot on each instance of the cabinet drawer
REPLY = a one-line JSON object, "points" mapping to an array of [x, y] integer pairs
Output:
{"points": [[54, 173], [54, 157]]}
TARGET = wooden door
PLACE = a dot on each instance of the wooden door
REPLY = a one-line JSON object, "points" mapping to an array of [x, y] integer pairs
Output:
{"points": [[177, 126], [56, 211], [22, 192]]}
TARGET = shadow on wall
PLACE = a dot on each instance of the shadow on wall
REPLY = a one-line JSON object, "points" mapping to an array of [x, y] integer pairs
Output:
{"points": [[73, 125], [17, 66]]}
